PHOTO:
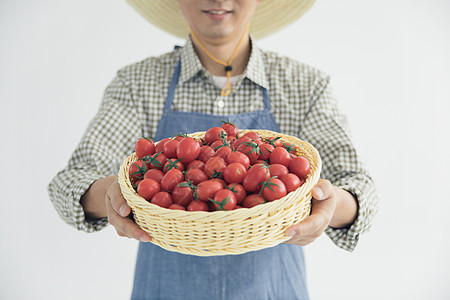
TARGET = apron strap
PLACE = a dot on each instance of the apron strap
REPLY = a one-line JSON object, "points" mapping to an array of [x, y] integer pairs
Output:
{"points": [[172, 87], [174, 83]]}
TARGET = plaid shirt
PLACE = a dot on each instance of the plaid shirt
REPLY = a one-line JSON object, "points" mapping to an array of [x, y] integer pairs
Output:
{"points": [[301, 99]]}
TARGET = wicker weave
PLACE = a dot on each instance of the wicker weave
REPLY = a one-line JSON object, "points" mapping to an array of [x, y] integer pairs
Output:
{"points": [[224, 232]]}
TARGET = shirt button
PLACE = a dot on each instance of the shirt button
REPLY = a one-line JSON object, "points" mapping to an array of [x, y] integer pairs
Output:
{"points": [[220, 103]]}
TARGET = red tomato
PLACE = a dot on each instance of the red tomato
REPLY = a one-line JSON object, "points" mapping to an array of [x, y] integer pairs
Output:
{"points": [[236, 143], [180, 137], [162, 199], [183, 193], [251, 149], [234, 173], [171, 179], [291, 181], [144, 147], [253, 200], [214, 166], [300, 166], [177, 207], [196, 164], [214, 134], [278, 170], [223, 152], [206, 153], [170, 148], [220, 180], [147, 188], [275, 141], [238, 157], [273, 189], [238, 191], [280, 155], [217, 144], [257, 174], [137, 170], [253, 135], [160, 145], [157, 160], [224, 200], [188, 149], [173, 163], [207, 189], [154, 174], [197, 205], [266, 149], [196, 176], [230, 128]]}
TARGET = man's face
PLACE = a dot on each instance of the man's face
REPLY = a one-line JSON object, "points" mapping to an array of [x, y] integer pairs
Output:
{"points": [[215, 20]]}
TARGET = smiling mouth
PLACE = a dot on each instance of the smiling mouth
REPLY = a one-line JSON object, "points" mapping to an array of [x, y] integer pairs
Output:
{"points": [[216, 12]]}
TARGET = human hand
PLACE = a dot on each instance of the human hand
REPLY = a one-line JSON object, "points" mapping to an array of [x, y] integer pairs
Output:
{"points": [[118, 211], [323, 204]]}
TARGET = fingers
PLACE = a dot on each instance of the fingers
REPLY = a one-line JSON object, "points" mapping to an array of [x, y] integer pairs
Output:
{"points": [[118, 210], [322, 210]]}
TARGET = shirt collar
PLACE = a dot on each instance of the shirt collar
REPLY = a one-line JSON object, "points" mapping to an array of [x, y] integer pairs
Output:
{"points": [[191, 65]]}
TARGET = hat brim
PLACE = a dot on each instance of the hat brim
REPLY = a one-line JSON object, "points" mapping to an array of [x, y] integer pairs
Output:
{"points": [[270, 16]]}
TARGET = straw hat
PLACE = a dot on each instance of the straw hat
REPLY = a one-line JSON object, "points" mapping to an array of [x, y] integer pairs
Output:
{"points": [[270, 16]]}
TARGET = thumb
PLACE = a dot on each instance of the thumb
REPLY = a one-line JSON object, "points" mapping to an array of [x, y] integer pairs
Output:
{"points": [[322, 190]]}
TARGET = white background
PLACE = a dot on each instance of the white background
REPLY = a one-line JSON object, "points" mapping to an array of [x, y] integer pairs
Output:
{"points": [[390, 64]]}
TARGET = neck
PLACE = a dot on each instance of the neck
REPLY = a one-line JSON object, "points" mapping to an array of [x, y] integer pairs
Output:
{"points": [[223, 50]]}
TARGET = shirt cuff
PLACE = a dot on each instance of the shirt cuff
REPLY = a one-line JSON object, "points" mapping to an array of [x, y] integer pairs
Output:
{"points": [[79, 188], [347, 238]]}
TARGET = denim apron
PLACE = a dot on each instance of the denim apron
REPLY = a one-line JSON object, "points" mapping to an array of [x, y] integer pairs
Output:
{"points": [[273, 273]]}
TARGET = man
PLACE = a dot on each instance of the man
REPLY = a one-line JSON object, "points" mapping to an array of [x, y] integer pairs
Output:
{"points": [[220, 72]]}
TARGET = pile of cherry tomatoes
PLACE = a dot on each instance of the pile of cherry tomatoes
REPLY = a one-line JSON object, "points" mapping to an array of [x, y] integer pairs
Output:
{"points": [[225, 170]]}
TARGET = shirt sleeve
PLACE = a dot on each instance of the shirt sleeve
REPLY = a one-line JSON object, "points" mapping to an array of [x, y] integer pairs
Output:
{"points": [[326, 128], [108, 140]]}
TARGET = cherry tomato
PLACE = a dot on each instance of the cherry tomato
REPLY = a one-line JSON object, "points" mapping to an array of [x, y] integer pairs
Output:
{"points": [[238, 157], [278, 170], [257, 174], [170, 148], [230, 128], [157, 160], [236, 143], [147, 188], [220, 180], [214, 134], [197, 205], [196, 176], [251, 149], [207, 189], [280, 155], [154, 174], [188, 150], [224, 200], [217, 144], [234, 173], [215, 166], [223, 152], [253, 200], [275, 141], [144, 147], [171, 179], [206, 153], [196, 164], [137, 170], [300, 166], [273, 189], [176, 207], [265, 150], [238, 191], [183, 193], [160, 145], [173, 163], [162, 199], [253, 135], [291, 181]]}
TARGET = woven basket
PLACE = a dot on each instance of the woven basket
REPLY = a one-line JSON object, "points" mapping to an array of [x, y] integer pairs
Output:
{"points": [[224, 232]]}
